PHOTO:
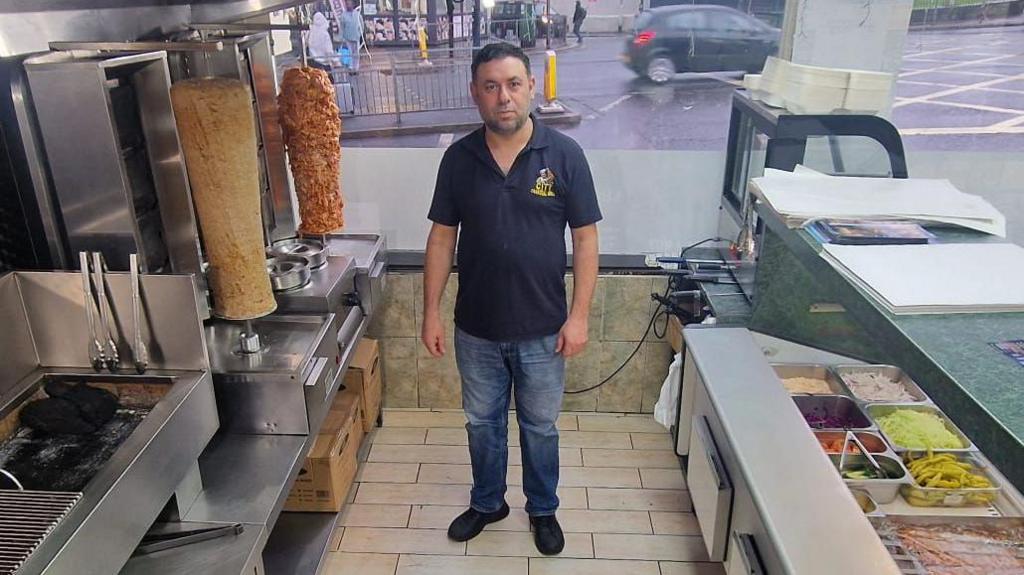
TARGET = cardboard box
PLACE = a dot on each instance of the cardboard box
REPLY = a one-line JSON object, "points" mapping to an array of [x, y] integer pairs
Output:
{"points": [[675, 333], [330, 468], [364, 377]]}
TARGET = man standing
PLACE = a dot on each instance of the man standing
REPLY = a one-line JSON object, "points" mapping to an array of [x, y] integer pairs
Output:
{"points": [[578, 15], [507, 192], [352, 33]]}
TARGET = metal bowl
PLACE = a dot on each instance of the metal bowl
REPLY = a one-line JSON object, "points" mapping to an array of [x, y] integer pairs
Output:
{"points": [[288, 272], [310, 249], [879, 410], [881, 490], [833, 406]]}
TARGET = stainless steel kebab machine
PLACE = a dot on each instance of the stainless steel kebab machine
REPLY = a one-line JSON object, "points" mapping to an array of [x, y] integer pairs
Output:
{"points": [[122, 183]]}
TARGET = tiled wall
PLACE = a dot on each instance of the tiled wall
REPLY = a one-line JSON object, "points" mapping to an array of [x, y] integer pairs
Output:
{"points": [[619, 315]]}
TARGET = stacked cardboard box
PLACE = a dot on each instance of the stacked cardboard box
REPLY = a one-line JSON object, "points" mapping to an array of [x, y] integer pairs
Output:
{"points": [[330, 468], [364, 378]]}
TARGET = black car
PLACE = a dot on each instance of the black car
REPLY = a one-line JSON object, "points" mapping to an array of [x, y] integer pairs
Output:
{"points": [[675, 39]]}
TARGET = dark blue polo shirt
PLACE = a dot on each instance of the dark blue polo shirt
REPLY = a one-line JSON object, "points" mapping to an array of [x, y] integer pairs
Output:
{"points": [[511, 251]]}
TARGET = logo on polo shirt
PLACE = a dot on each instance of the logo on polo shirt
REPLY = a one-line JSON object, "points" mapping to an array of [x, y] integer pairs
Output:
{"points": [[545, 184]]}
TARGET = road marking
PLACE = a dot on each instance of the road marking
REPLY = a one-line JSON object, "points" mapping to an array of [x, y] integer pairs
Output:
{"points": [[980, 107], [983, 131], [951, 67], [957, 90], [445, 140], [608, 108]]}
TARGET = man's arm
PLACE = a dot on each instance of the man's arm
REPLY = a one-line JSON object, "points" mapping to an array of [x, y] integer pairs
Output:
{"points": [[436, 269], [574, 334]]}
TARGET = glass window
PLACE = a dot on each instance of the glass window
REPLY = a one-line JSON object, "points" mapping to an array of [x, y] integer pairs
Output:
{"points": [[688, 20]]}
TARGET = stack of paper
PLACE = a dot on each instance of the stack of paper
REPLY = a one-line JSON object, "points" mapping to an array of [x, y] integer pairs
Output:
{"points": [[935, 278], [804, 195]]}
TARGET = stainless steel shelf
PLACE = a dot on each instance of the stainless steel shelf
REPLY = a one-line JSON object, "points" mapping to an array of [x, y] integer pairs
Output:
{"points": [[229, 555], [246, 478], [298, 544]]}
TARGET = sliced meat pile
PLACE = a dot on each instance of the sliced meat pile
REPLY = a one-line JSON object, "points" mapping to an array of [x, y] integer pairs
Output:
{"points": [[312, 132]]}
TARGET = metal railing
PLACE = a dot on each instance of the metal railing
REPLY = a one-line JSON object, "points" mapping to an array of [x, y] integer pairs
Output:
{"points": [[397, 82]]}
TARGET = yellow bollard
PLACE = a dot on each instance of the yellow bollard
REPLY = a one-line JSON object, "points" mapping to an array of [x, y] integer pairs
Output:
{"points": [[423, 43], [550, 78]]}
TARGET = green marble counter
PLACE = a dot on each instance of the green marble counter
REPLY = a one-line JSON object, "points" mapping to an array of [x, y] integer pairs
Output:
{"points": [[801, 297]]}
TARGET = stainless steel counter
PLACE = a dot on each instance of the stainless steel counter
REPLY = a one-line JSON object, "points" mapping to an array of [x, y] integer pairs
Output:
{"points": [[788, 501]]}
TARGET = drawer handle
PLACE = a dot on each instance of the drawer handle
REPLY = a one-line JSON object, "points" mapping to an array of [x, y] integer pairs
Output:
{"points": [[748, 553], [711, 453]]}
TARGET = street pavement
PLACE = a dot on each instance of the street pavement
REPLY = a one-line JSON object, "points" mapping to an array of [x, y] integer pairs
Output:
{"points": [[958, 90]]}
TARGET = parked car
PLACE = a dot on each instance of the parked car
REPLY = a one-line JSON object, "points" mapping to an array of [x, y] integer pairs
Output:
{"points": [[515, 21], [701, 38]]}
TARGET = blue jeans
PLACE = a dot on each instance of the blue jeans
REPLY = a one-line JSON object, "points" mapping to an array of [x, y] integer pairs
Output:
{"points": [[490, 370]]}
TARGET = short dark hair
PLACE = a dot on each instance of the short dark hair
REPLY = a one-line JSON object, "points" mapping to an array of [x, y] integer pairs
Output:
{"points": [[497, 51]]}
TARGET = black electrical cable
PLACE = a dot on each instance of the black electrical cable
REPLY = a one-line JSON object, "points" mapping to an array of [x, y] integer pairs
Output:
{"points": [[657, 312]]}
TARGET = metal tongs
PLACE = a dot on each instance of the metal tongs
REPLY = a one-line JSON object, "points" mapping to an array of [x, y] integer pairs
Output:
{"points": [[99, 267], [97, 356], [851, 436], [139, 349]]}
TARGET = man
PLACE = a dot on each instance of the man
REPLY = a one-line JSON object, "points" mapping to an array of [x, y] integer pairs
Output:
{"points": [[507, 192], [578, 15], [352, 33]]}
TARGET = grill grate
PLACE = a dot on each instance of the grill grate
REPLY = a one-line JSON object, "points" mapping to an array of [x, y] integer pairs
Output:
{"points": [[26, 518], [905, 560]]}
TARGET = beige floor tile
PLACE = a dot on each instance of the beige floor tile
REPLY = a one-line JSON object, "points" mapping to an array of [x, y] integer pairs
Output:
{"points": [[673, 523], [648, 547], [639, 499], [598, 477], [623, 458], [373, 515], [675, 568], [620, 423], [462, 474], [424, 418], [567, 457], [336, 539], [439, 517], [600, 439], [590, 521], [662, 478], [400, 435], [447, 436], [381, 540], [520, 544], [412, 494], [651, 441], [461, 565], [558, 566], [361, 563], [568, 497], [371, 472], [420, 454]]}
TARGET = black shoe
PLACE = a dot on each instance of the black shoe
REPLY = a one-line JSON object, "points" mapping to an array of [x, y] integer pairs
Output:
{"points": [[547, 535], [472, 522]]}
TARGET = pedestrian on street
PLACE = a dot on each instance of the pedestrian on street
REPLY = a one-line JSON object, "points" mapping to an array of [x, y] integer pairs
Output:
{"points": [[578, 15], [320, 45], [352, 33], [506, 193]]}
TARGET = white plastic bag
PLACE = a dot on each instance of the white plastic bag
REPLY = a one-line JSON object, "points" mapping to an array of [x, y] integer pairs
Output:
{"points": [[668, 401]]}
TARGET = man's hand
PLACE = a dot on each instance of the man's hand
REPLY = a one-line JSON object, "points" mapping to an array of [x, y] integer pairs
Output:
{"points": [[572, 338], [433, 334]]}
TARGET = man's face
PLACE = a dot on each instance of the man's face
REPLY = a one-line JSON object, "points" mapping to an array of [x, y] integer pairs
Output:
{"points": [[503, 93]]}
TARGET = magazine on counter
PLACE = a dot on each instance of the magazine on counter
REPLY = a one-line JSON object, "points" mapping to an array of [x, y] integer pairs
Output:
{"points": [[868, 232]]}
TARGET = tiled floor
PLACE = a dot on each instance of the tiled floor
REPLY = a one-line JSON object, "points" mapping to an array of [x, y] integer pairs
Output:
{"points": [[625, 508]]}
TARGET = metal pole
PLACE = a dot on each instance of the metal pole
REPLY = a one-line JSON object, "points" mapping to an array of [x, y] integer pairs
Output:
{"points": [[394, 84], [547, 26], [476, 25]]}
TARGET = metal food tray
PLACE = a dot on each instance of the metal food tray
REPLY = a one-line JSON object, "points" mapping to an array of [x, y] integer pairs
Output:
{"points": [[907, 561], [881, 490], [892, 372], [877, 442], [810, 370], [866, 502], [834, 405], [877, 410], [951, 497]]}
